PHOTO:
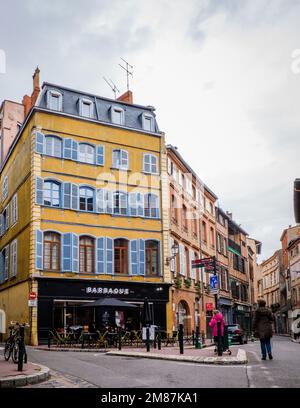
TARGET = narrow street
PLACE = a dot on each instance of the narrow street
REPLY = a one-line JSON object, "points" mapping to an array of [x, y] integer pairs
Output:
{"points": [[82, 370]]}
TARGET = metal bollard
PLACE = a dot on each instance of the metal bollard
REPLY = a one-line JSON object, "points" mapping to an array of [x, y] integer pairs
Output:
{"points": [[193, 337], [120, 338], [197, 344], [180, 338], [148, 338], [21, 348], [219, 344], [49, 339], [154, 341], [159, 339]]}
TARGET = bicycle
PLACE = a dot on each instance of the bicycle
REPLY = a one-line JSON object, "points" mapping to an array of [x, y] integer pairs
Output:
{"points": [[11, 348], [12, 345]]}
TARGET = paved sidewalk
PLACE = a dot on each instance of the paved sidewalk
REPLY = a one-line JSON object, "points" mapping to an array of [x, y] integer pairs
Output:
{"points": [[202, 356], [10, 377]]}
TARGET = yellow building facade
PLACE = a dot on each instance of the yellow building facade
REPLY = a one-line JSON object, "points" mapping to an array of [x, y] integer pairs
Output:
{"points": [[84, 214]]}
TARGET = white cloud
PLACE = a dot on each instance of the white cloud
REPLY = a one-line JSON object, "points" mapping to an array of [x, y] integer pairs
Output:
{"points": [[219, 74]]}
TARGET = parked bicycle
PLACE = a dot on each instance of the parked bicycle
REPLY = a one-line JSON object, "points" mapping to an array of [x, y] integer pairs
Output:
{"points": [[13, 342]]}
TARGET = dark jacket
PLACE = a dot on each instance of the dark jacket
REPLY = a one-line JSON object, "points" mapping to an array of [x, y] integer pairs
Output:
{"points": [[262, 323]]}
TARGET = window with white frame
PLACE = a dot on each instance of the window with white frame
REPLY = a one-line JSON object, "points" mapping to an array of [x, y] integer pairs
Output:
{"points": [[188, 185], [53, 146], [86, 108], [86, 153], [120, 159], [5, 188], [148, 122], [150, 164], [5, 219], [54, 100], [180, 178], [4, 262], [14, 258], [14, 210], [117, 115], [120, 203]]}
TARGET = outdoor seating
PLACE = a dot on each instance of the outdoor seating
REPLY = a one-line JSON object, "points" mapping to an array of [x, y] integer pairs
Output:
{"points": [[126, 338], [136, 337], [171, 339], [102, 339], [59, 339]]}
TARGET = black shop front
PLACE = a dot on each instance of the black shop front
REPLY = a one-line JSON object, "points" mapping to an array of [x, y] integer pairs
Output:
{"points": [[61, 304]]}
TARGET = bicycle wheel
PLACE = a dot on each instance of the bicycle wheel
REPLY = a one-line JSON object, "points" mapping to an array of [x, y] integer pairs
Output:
{"points": [[7, 351], [15, 353]]}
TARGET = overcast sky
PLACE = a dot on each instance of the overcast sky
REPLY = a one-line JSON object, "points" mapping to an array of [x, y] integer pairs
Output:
{"points": [[219, 72]]}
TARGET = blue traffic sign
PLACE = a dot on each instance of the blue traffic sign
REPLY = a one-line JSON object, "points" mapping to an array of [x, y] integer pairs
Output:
{"points": [[213, 282]]}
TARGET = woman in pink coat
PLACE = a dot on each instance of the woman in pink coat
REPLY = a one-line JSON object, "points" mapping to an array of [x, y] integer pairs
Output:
{"points": [[217, 317]]}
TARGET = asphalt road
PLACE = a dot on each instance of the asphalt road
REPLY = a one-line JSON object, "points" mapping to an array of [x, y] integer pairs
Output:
{"points": [[78, 370]]}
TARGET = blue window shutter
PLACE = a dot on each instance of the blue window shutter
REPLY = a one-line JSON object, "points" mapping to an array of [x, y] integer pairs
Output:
{"points": [[100, 255], [132, 204], [1, 224], [75, 250], [67, 252], [157, 206], [67, 195], [109, 256], [67, 149], [100, 156], [75, 196], [140, 204], [39, 193], [159, 260], [109, 201], [100, 199], [134, 257], [39, 249], [142, 256], [74, 150], [39, 142]]}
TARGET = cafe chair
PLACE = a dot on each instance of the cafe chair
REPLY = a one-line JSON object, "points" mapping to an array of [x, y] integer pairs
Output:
{"points": [[171, 339], [102, 339]]}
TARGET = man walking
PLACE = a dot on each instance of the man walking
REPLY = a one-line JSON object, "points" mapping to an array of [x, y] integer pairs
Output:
{"points": [[263, 328]]}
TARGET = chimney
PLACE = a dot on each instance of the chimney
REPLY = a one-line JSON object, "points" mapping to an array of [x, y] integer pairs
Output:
{"points": [[126, 97], [36, 86], [229, 214], [29, 101]]}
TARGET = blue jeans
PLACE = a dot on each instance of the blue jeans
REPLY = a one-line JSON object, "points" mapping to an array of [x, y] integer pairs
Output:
{"points": [[265, 345]]}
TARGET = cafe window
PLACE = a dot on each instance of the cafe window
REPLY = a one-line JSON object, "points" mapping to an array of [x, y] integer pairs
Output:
{"points": [[51, 251], [121, 256], [86, 255], [152, 258]]}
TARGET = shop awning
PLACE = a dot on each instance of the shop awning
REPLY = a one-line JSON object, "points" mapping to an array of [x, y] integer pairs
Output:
{"points": [[110, 302], [224, 301]]}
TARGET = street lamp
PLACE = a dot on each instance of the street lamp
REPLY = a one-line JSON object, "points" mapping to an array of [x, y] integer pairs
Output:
{"points": [[174, 251]]}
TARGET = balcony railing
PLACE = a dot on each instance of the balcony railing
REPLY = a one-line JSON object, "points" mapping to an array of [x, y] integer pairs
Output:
{"points": [[234, 245]]}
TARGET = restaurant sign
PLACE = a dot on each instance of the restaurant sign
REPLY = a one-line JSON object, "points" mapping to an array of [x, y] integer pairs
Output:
{"points": [[107, 291]]}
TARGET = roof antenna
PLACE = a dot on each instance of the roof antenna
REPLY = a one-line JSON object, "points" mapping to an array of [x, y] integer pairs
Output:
{"points": [[112, 85], [128, 72]]}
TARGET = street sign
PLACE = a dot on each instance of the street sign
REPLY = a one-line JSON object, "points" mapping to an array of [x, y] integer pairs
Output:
{"points": [[214, 291], [209, 306], [213, 280], [32, 303], [32, 296]]}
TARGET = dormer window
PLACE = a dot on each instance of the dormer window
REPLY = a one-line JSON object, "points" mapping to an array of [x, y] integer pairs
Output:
{"points": [[117, 115], [86, 108], [54, 100], [148, 122]]}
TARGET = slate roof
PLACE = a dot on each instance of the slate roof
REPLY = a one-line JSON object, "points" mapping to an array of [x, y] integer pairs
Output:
{"points": [[102, 106]]}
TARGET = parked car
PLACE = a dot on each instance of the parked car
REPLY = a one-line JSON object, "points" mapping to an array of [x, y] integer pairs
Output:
{"points": [[237, 334]]}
